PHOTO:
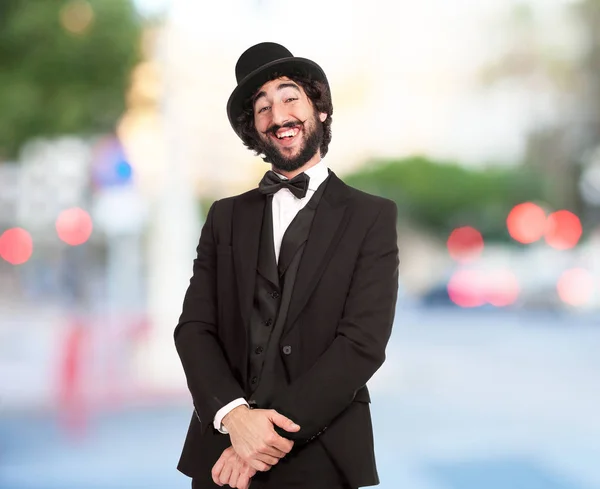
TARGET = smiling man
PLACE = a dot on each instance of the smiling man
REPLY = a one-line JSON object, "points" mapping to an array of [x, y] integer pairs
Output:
{"points": [[291, 303], [290, 128]]}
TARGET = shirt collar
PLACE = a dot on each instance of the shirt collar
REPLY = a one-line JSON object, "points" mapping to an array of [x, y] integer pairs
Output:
{"points": [[317, 174]]}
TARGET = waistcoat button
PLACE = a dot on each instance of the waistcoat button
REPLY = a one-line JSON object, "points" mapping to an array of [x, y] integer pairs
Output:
{"points": [[287, 349]]}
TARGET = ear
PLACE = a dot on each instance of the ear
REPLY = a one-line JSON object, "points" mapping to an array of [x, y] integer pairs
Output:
{"points": [[323, 116]]}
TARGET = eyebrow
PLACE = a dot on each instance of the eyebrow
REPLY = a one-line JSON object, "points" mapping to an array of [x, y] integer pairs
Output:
{"points": [[281, 86]]}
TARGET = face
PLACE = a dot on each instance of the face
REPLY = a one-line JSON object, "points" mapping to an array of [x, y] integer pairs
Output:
{"points": [[289, 128]]}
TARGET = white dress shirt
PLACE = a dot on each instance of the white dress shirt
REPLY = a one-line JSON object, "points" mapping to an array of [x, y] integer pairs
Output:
{"points": [[285, 207]]}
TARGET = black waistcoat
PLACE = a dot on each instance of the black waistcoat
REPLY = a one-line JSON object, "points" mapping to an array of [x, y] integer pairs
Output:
{"points": [[272, 294]]}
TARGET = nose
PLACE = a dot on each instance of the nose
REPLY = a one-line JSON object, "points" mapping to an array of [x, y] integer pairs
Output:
{"points": [[279, 114]]}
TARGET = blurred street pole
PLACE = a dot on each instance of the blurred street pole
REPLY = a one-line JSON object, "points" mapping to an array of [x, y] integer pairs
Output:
{"points": [[173, 236]]}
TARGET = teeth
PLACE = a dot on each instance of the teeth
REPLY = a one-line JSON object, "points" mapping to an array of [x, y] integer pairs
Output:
{"points": [[291, 132]]}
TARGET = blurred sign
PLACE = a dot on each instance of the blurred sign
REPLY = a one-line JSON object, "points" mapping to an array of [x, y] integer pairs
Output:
{"points": [[110, 167], [120, 211], [54, 175], [118, 207], [9, 192]]}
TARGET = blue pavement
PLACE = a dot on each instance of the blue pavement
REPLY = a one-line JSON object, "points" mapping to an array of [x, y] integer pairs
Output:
{"points": [[464, 401]]}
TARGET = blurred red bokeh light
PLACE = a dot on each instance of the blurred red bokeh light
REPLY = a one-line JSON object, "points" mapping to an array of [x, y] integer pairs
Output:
{"points": [[526, 222], [474, 288], [74, 226], [16, 246], [465, 244], [575, 286], [503, 288], [465, 288], [563, 230]]}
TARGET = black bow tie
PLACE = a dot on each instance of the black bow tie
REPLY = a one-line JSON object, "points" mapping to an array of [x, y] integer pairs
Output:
{"points": [[271, 183]]}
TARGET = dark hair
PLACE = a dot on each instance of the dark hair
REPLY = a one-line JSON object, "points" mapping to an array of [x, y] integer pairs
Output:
{"points": [[316, 91]]}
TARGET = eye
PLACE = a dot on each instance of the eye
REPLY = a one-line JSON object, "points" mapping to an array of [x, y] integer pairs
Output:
{"points": [[291, 99], [263, 109]]}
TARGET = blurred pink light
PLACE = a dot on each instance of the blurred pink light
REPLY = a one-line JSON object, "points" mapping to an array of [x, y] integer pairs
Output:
{"points": [[474, 288], [503, 288], [465, 244], [575, 286], [74, 226], [465, 288], [563, 230], [526, 222], [16, 246]]}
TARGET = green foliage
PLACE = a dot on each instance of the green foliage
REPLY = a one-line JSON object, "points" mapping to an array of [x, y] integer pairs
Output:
{"points": [[440, 196], [205, 202], [54, 81]]}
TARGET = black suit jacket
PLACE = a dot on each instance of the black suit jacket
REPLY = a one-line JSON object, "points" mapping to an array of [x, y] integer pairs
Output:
{"points": [[338, 325]]}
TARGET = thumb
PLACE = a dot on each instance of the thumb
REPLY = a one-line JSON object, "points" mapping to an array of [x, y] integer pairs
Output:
{"points": [[283, 422]]}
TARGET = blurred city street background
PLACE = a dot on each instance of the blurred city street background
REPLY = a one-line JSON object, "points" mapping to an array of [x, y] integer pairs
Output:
{"points": [[480, 120]]}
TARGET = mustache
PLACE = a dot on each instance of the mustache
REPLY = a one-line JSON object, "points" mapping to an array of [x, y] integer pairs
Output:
{"points": [[288, 125]]}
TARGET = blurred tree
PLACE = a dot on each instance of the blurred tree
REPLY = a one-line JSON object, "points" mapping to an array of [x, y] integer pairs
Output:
{"points": [[589, 14], [440, 196], [64, 67], [571, 67]]}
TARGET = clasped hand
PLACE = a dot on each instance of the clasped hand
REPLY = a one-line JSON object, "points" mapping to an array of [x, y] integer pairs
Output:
{"points": [[255, 445]]}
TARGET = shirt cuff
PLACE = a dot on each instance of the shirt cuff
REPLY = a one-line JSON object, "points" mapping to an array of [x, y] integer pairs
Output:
{"points": [[221, 413]]}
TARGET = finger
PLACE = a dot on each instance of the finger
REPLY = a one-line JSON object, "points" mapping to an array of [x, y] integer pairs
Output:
{"points": [[225, 473], [280, 443], [216, 480], [218, 467], [226, 460], [258, 465], [233, 478], [273, 451], [268, 459], [283, 422], [247, 470], [243, 481]]}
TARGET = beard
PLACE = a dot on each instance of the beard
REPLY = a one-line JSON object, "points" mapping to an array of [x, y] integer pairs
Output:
{"points": [[313, 138]]}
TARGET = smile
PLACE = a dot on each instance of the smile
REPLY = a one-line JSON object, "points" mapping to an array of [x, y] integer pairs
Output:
{"points": [[286, 135]]}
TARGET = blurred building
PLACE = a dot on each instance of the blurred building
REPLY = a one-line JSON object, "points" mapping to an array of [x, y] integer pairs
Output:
{"points": [[401, 84]]}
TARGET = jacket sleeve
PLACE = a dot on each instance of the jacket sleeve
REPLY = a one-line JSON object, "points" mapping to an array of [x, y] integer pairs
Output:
{"points": [[209, 377], [358, 350]]}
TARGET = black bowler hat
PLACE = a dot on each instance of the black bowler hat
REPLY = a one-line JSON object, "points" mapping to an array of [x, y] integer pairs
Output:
{"points": [[255, 67]]}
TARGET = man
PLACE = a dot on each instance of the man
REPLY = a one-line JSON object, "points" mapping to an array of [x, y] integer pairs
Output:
{"points": [[291, 302]]}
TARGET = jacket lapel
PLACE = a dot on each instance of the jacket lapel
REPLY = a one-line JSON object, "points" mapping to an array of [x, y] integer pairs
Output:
{"points": [[267, 263], [247, 223], [326, 230]]}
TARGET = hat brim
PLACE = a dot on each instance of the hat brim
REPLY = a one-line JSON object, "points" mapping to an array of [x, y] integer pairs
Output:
{"points": [[254, 80]]}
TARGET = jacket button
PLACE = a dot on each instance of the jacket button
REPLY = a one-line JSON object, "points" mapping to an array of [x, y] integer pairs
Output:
{"points": [[275, 295], [268, 322], [287, 349], [254, 380], [258, 350]]}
